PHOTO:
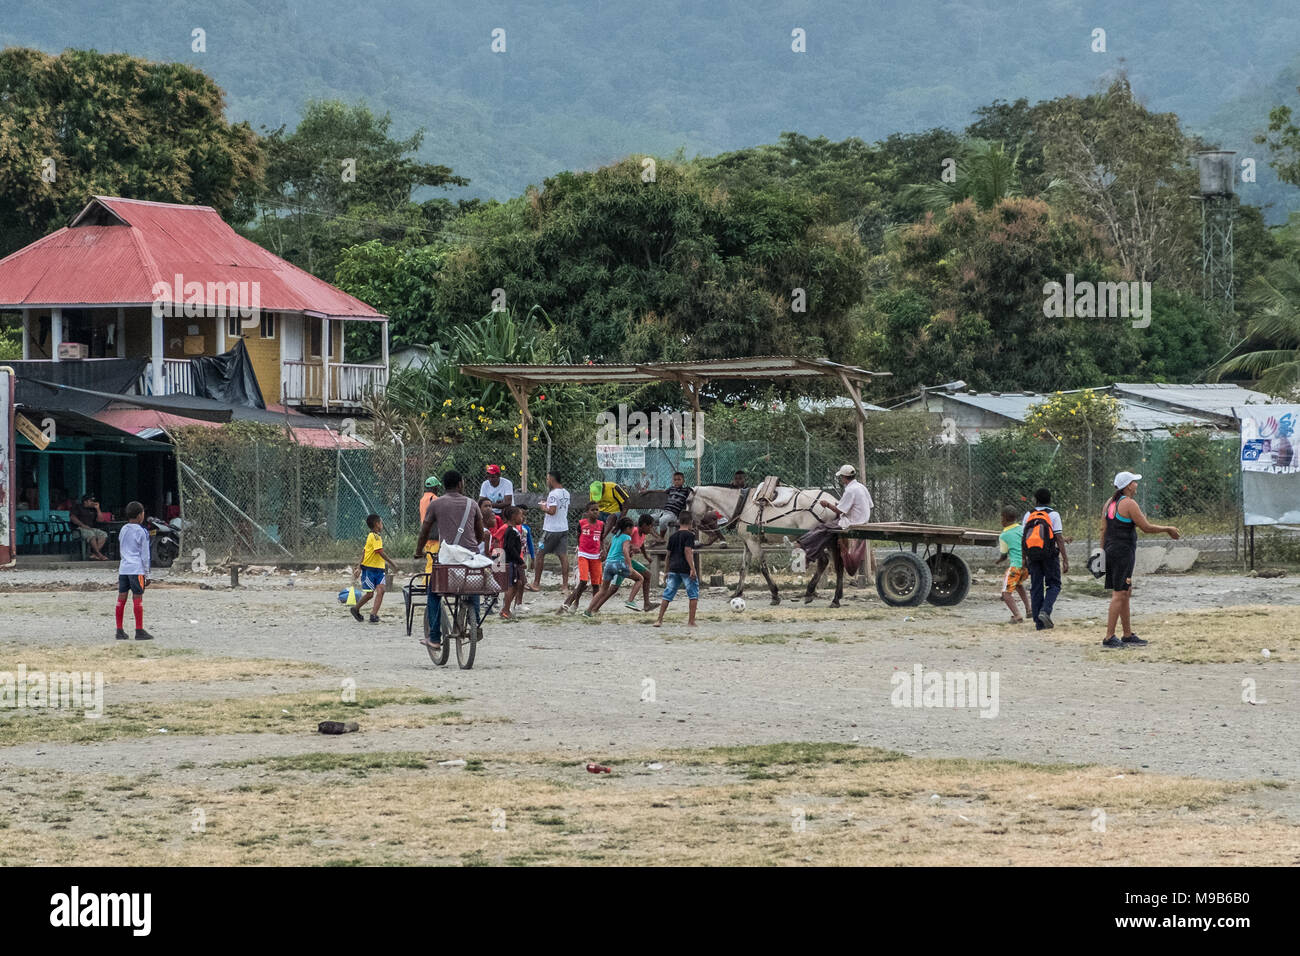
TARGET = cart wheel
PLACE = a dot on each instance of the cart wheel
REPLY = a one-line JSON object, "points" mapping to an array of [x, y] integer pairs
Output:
{"points": [[439, 656], [465, 643], [903, 580], [951, 579]]}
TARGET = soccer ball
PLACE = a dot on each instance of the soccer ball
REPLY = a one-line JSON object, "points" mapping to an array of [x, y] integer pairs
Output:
{"points": [[737, 604]]}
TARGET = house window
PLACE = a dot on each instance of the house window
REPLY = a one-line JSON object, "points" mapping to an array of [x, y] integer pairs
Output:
{"points": [[268, 325], [232, 326], [314, 342]]}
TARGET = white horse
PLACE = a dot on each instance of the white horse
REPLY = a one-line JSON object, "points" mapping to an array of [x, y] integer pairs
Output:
{"points": [[793, 508]]}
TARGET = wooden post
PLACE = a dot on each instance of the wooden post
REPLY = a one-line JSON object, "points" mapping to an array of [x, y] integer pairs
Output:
{"points": [[383, 351], [521, 399], [859, 420], [120, 334], [27, 334], [324, 364], [156, 353], [56, 332]]}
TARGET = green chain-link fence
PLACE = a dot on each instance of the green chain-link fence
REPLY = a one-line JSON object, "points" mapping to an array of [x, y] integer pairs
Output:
{"points": [[252, 493]]}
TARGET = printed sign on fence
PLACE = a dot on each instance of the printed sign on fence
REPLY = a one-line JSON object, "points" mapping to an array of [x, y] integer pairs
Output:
{"points": [[1268, 438], [620, 456]]}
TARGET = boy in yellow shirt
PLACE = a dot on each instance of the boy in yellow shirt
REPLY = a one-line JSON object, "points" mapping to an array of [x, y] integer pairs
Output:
{"points": [[373, 565]]}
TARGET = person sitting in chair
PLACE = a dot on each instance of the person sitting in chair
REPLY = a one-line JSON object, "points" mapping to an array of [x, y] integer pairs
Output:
{"points": [[84, 518]]}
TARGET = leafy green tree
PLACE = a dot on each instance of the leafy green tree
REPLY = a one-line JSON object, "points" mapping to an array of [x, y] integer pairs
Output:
{"points": [[1271, 349], [340, 179], [967, 300], [633, 269], [985, 173], [1127, 170], [84, 123]]}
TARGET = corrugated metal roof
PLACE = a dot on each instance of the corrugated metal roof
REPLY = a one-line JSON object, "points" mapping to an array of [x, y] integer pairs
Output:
{"points": [[145, 420], [754, 368], [1135, 416], [1213, 399], [144, 243]]}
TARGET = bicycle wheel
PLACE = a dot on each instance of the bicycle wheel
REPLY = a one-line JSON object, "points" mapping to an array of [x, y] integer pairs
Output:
{"points": [[439, 655], [465, 643]]}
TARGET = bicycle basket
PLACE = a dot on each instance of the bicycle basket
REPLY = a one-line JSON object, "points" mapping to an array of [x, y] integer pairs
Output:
{"points": [[458, 579]]}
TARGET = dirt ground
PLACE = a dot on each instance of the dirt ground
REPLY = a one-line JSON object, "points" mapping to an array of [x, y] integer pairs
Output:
{"points": [[243, 676]]}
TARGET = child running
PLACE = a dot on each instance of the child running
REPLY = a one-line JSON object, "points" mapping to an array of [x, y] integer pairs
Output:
{"points": [[681, 569], [590, 526], [1009, 543], [644, 526], [514, 550], [618, 566], [133, 569], [372, 568]]}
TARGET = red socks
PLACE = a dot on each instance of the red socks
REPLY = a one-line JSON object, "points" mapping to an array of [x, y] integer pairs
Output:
{"points": [[121, 605], [139, 614]]}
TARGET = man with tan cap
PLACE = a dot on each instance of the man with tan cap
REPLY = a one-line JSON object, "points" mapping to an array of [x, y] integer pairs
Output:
{"points": [[855, 503], [854, 507]]}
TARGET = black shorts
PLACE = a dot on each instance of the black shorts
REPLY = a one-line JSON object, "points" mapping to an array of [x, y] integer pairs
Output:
{"points": [[514, 573], [1119, 568], [130, 582]]}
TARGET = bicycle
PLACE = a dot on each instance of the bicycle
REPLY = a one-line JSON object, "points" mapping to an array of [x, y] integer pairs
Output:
{"points": [[452, 584]]}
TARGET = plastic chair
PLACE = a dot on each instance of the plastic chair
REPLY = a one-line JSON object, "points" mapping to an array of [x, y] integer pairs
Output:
{"points": [[410, 592]]}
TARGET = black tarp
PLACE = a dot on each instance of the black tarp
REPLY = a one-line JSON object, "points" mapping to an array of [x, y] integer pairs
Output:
{"points": [[227, 378], [98, 382]]}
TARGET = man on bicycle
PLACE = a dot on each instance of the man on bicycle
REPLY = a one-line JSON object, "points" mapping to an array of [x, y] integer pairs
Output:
{"points": [[459, 522]]}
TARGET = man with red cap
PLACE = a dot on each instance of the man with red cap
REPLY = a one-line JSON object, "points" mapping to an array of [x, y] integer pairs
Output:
{"points": [[496, 489]]}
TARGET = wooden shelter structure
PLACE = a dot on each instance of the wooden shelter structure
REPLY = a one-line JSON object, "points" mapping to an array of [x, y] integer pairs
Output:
{"points": [[523, 380]]}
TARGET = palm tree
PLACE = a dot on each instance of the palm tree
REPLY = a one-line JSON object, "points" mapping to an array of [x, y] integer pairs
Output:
{"points": [[1273, 335], [985, 172]]}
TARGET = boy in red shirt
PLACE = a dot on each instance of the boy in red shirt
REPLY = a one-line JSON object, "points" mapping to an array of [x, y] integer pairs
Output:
{"points": [[590, 527]]}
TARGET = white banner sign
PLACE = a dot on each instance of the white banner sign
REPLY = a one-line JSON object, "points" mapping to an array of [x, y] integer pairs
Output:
{"points": [[620, 456], [1268, 438]]}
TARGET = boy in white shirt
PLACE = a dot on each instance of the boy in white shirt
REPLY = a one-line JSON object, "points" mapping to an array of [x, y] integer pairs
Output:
{"points": [[133, 569]]}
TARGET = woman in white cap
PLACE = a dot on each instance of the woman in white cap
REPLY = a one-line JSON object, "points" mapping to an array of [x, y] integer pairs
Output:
{"points": [[1119, 527]]}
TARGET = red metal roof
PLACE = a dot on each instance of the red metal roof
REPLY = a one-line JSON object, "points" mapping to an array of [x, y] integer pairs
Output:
{"points": [[137, 420], [116, 250]]}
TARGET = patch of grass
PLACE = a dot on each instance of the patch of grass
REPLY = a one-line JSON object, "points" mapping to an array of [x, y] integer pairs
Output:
{"points": [[280, 714], [858, 806], [1203, 636], [356, 764], [129, 663]]}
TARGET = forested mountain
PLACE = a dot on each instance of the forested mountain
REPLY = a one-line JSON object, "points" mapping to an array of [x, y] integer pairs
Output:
{"points": [[583, 83]]}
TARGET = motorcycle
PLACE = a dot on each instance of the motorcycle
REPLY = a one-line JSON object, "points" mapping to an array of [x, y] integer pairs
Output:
{"points": [[164, 543]]}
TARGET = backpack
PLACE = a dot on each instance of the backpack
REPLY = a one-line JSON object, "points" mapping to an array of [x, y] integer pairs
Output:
{"points": [[1039, 540]]}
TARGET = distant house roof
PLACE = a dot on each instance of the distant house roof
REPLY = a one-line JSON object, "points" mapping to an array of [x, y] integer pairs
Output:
{"points": [[1135, 416], [148, 422], [1214, 399], [115, 251]]}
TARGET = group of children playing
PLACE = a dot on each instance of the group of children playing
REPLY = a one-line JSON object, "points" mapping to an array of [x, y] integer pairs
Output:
{"points": [[605, 565]]}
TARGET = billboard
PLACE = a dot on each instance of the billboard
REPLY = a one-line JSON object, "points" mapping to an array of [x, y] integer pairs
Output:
{"points": [[1270, 463]]}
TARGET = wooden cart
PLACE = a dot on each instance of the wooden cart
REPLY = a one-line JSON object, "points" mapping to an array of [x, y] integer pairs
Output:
{"points": [[925, 571]]}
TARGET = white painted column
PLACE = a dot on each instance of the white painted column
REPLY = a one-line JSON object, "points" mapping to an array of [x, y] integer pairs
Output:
{"points": [[156, 353], [219, 323], [325, 363], [383, 352], [284, 354], [27, 334], [56, 332], [120, 334]]}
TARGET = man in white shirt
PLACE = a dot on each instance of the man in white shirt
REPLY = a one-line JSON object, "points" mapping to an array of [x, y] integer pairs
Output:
{"points": [[496, 489], [555, 531], [855, 503]]}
